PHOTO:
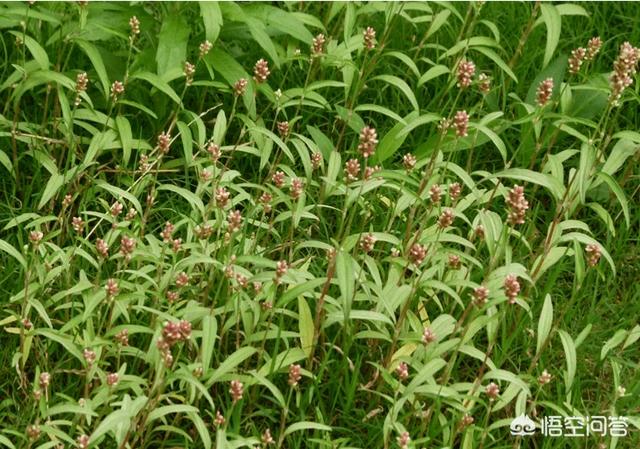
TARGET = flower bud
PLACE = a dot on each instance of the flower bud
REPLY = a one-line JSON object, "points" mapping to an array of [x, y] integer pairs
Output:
{"points": [[261, 71]]}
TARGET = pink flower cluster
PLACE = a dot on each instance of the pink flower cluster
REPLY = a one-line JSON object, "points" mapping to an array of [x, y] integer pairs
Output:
{"points": [[261, 71], [593, 47], [318, 44], [576, 59], [511, 287], [544, 92], [236, 390], [368, 141], [593, 254], [480, 295], [461, 123], [623, 70], [367, 241], [172, 333], [294, 375], [518, 205], [466, 70], [369, 36]]}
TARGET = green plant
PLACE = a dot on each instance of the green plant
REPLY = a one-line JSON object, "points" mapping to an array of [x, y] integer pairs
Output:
{"points": [[316, 225]]}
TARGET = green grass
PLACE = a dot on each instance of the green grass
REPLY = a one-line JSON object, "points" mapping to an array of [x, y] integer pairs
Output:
{"points": [[348, 317]]}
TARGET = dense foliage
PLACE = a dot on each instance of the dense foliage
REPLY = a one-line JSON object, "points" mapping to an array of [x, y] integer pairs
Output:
{"points": [[322, 225]]}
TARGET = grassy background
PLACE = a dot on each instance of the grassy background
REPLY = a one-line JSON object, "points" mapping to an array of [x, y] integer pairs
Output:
{"points": [[602, 301]]}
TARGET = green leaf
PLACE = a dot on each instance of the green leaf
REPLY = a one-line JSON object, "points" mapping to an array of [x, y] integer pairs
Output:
{"points": [[212, 18], [119, 194], [587, 240], [4, 246], [277, 394], [306, 425], [282, 360], [209, 334], [365, 315], [556, 70], [230, 363], [402, 86], [322, 141], [353, 120], [172, 46], [257, 30], [158, 83], [438, 20], [443, 325], [51, 189], [169, 409], [333, 168], [570, 356], [126, 138], [305, 325], [571, 9], [119, 421], [604, 215], [220, 128], [6, 442], [554, 185], [232, 71], [406, 60], [433, 72], [82, 285], [508, 376], [139, 106], [99, 142], [62, 339], [489, 53], [425, 373], [379, 109], [71, 409], [583, 335], [613, 342], [221, 439], [187, 142], [303, 153], [41, 311], [634, 335], [413, 123], [42, 77], [6, 163], [349, 20], [21, 219], [497, 141], [390, 143], [553, 22], [192, 198], [619, 193], [110, 423], [277, 140], [346, 280], [288, 23], [98, 64], [587, 159], [545, 261], [38, 53], [544, 323], [633, 136], [475, 41], [621, 151], [299, 289], [201, 427]]}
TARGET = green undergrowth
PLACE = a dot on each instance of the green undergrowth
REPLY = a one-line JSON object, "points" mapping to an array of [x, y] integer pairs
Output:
{"points": [[317, 225]]}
